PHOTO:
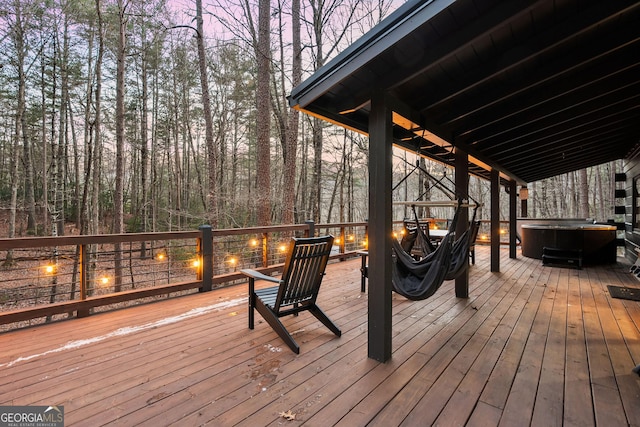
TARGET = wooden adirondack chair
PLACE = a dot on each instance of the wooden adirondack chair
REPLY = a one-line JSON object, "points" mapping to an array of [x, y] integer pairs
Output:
{"points": [[297, 289]]}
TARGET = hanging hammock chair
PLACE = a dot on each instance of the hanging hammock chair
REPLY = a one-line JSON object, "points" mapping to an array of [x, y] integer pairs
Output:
{"points": [[408, 238], [461, 248], [418, 280], [423, 241]]}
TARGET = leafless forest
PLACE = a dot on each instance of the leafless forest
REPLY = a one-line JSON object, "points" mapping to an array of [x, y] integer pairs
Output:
{"points": [[126, 116]]}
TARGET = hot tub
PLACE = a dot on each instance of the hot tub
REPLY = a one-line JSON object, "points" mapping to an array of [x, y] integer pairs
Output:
{"points": [[597, 242]]}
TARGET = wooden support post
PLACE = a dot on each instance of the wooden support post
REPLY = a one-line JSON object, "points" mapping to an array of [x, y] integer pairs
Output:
{"points": [[205, 253], [380, 231], [495, 220], [513, 205], [462, 189], [83, 265]]}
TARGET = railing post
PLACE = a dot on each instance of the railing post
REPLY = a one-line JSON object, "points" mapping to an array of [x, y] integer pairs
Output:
{"points": [[311, 231], [83, 267], [265, 250], [205, 253]]}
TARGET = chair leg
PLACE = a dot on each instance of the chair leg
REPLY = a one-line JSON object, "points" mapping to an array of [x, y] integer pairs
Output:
{"points": [[364, 271], [276, 325], [252, 301], [316, 311]]}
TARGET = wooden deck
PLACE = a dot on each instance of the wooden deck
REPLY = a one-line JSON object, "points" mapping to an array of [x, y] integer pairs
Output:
{"points": [[534, 345]]}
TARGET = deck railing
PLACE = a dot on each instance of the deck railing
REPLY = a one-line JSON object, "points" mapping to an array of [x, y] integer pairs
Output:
{"points": [[48, 278]]}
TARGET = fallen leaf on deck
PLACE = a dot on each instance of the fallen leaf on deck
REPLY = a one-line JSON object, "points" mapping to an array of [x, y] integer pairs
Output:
{"points": [[288, 415]]}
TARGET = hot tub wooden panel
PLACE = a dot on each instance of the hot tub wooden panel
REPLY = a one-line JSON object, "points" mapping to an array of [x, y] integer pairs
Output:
{"points": [[597, 242]]}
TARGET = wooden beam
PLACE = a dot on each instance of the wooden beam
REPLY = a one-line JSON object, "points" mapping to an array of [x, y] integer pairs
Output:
{"points": [[436, 203], [513, 206], [462, 190], [380, 228], [495, 220]]}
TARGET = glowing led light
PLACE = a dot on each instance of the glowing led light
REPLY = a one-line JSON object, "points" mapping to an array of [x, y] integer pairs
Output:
{"points": [[253, 242], [104, 280], [283, 248], [160, 257], [49, 269], [196, 263], [233, 261], [337, 241]]}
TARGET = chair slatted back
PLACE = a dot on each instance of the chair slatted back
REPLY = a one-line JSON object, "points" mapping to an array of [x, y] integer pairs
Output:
{"points": [[475, 227], [303, 271]]}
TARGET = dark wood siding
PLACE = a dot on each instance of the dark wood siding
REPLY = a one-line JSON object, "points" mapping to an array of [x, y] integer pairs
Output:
{"points": [[632, 233]]}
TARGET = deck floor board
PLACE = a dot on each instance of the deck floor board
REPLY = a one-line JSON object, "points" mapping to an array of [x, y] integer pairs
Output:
{"points": [[533, 344]]}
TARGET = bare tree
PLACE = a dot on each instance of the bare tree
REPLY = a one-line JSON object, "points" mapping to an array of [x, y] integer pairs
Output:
{"points": [[263, 57], [206, 107], [584, 193], [97, 127], [17, 36], [118, 203], [321, 14], [291, 141]]}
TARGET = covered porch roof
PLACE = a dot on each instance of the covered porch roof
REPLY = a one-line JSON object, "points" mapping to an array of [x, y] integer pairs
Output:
{"points": [[513, 91], [532, 89]]}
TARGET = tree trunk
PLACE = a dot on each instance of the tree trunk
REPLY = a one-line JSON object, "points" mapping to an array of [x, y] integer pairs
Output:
{"points": [[118, 202], [600, 195], [144, 153], [27, 160], [263, 57], [87, 141], [584, 193], [289, 195], [97, 151], [96, 157], [43, 142], [425, 189], [206, 107], [17, 34], [303, 191], [62, 136], [338, 180]]}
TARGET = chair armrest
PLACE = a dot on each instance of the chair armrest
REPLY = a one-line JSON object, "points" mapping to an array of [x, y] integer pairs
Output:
{"points": [[253, 274]]}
